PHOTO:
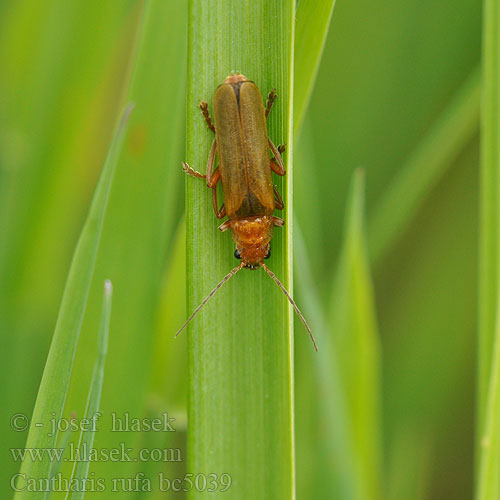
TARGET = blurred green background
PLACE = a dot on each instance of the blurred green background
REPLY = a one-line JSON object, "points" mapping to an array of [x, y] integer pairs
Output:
{"points": [[389, 73]]}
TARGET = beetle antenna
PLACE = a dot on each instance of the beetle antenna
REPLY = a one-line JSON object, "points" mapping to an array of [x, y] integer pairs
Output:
{"points": [[297, 310], [210, 295]]}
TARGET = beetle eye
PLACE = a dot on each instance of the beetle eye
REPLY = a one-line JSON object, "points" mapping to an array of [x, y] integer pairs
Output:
{"points": [[237, 254], [268, 254]]}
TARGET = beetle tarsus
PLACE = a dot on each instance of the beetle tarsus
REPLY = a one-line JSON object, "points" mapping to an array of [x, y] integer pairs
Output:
{"points": [[206, 115], [281, 148], [192, 172], [271, 98]]}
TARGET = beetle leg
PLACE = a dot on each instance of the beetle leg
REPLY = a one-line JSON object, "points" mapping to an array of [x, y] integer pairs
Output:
{"points": [[214, 180], [271, 97], [191, 171], [211, 181], [220, 214], [277, 165], [225, 226], [279, 201], [278, 222], [206, 114]]}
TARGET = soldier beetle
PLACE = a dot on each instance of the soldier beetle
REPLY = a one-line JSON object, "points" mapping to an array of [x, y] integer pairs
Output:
{"points": [[250, 198]]}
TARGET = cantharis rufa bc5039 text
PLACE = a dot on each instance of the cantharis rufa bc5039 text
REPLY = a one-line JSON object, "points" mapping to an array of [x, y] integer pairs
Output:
{"points": [[250, 198]]}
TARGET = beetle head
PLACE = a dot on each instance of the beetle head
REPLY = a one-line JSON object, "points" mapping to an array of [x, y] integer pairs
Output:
{"points": [[252, 237]]}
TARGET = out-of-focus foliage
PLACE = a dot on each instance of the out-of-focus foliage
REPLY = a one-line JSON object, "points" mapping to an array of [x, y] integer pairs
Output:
{"points": [[390, 72]]}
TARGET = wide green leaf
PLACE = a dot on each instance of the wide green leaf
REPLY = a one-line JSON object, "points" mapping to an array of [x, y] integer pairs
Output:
{"points": [[240, 347]]}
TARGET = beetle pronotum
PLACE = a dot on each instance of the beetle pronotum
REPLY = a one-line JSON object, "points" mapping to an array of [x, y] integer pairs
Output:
{"points": [[250, 198]]}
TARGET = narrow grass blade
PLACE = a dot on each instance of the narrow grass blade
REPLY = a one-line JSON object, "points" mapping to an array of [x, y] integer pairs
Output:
{"points": [[55, 379], [92, 414], [356, 341], [62, 82], [66, 438], [311, 29], [489, 473], [334, 457], [347, 369], [490, 198], [240, 345], [489, 464], [456, 127], [138, 232]]}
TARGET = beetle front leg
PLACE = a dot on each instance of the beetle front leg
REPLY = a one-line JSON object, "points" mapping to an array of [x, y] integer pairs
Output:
{"points": [[278, 222], [271, 98], [279, 205], [206, 115]]}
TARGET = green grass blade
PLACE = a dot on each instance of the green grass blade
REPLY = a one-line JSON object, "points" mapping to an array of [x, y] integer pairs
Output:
{"points": [[142, 216], [64, 442], [55, 129], [455, 128], [356, 341], [55, 380], [347, 367], [334, 445], [489, 465], [490, 199], [81, 468], [311, 29], [489, 481], [240, 345]]}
